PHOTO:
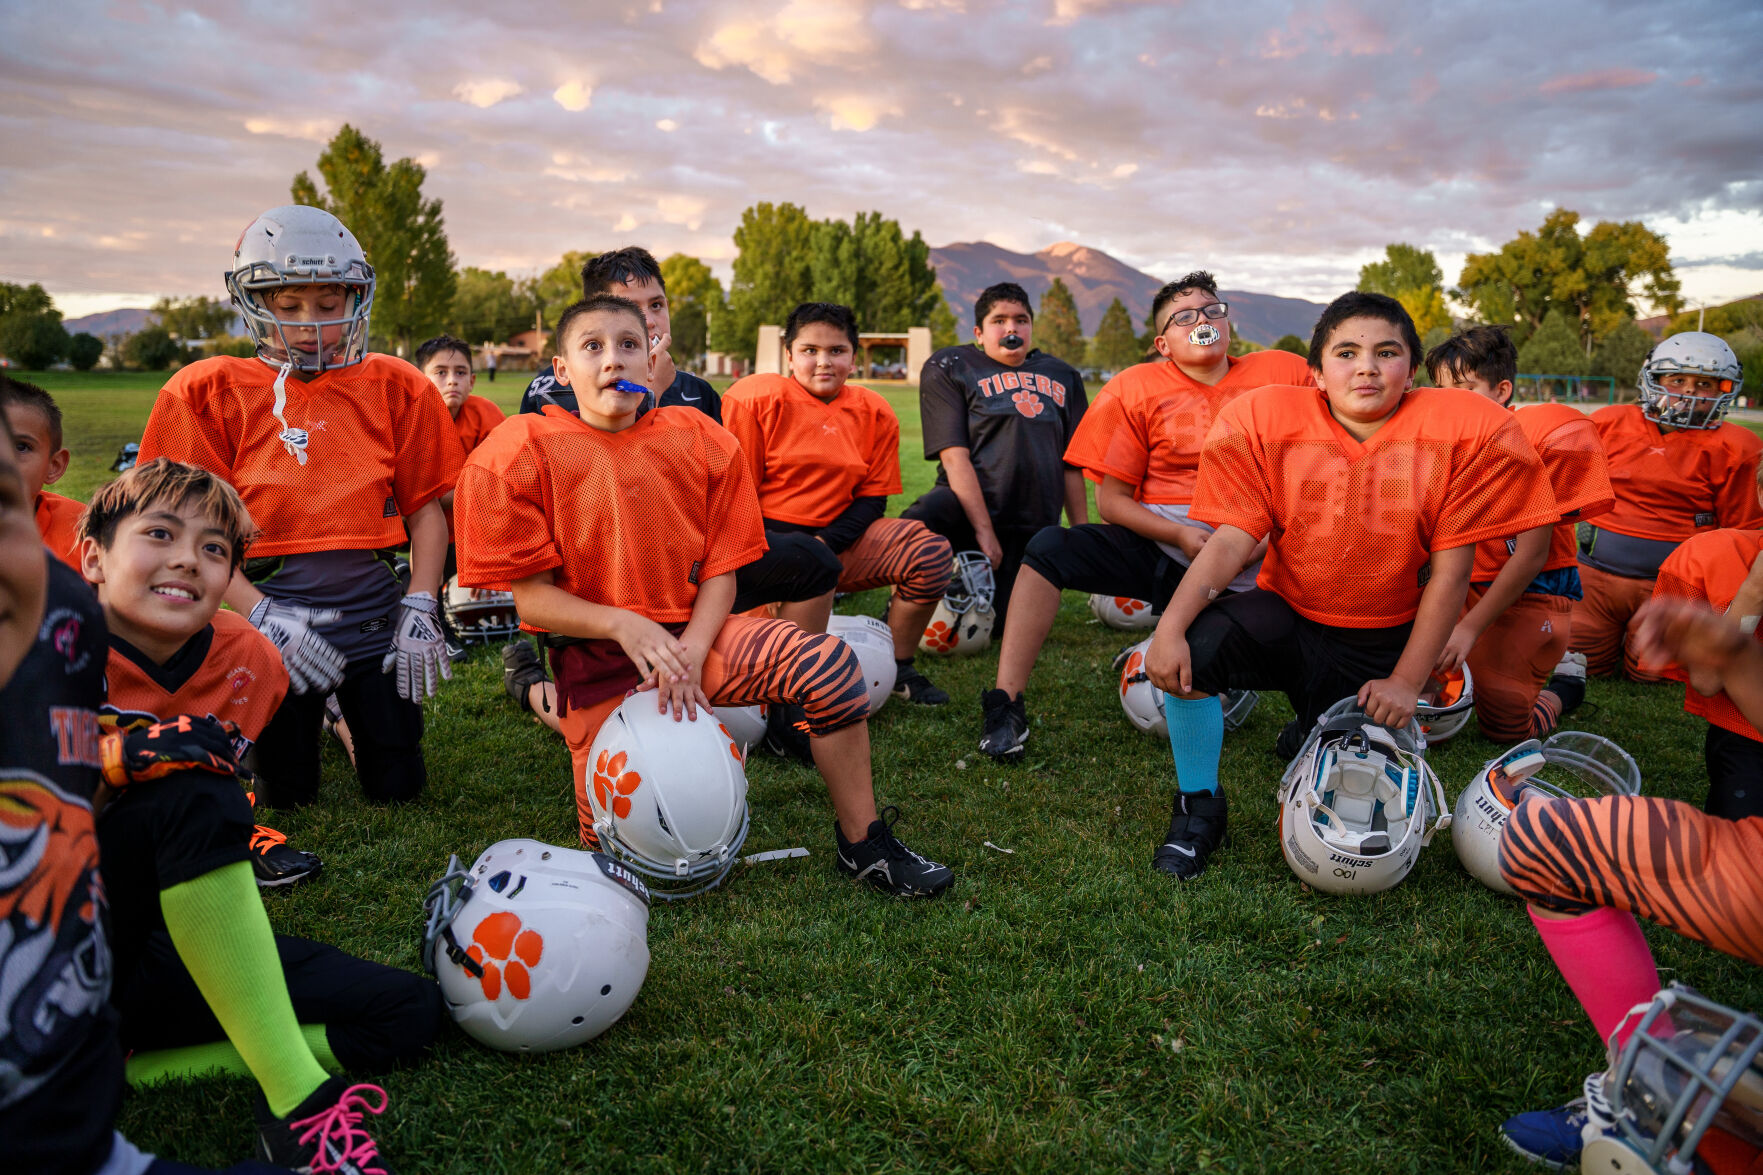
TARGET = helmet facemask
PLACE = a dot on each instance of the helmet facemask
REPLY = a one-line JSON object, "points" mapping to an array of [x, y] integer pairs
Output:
{"points": [[1692, 353], [252, 290]]}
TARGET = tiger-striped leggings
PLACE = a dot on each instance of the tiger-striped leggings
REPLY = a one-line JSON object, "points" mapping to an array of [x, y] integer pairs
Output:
{"points": [[752, 661], [902, 552], [1662, 860]]}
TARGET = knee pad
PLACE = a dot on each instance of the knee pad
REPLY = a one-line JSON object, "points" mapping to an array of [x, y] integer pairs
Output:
{"points": [[814, 568]]}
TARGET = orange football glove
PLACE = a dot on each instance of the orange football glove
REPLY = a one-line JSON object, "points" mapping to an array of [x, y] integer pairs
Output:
{"points": [[152, 752]]}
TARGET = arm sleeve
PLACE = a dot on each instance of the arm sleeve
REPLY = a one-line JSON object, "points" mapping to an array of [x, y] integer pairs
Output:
{"points": [[1579, 472], [942, 411], [429, 453], [1234, 486], [502, 530], [849, 526], [1735, 502], [735, 528], [1500, 489], [177, 430], [741, 418], [883, 477]]}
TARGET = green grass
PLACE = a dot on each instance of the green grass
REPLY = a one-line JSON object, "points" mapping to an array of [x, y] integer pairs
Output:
{"points": [[1062, 1008]]}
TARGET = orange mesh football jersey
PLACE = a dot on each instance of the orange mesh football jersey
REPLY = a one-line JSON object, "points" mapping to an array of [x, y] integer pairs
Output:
{"points": [[58, 521], [1567, 441], [477, 417], [634, 519], [1353, 524], [1670, 485], [1148, 424], [380, 447], [810, 459], [1709, 568], [237, 676]]}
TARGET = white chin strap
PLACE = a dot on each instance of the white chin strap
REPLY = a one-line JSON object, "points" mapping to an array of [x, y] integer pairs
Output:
{"points": [[293, 439]]}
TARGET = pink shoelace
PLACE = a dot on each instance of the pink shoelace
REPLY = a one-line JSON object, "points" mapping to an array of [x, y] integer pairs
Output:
{"points": [[340, 1144]]}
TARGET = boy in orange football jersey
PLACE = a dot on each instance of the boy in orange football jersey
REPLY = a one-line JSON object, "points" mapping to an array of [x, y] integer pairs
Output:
{"points": [[36, 430], [339, 454], [1720, 568], [825, 456], [1677, 469], [1140, 441], [1372, 494], [620, 536], [1514, 636], [202, 984]]}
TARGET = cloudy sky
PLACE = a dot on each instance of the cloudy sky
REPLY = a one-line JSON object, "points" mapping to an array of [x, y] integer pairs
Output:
{"points": [[1281, 143]]}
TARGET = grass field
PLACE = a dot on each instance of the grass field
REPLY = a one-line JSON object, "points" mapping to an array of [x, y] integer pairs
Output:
{"points": [[1062, 1008]]}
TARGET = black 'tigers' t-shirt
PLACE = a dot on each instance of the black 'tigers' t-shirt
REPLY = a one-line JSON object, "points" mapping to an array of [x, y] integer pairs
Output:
{"points": [[1014, 421], [60, 1065], [686, 391]]}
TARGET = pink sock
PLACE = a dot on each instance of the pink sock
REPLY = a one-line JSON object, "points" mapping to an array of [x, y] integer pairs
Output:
{"points": [[1604, 959]]}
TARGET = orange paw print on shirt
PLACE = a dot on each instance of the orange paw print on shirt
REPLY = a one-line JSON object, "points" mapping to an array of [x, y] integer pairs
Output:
{"points": [[1129, 606], [1135, 665], [613, 784], [1028, 404], [506, 951], [941, 636]]}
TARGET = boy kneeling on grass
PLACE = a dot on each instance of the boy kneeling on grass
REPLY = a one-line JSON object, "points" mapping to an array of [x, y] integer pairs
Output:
{"points": [[623, 536], [1372, 494]]}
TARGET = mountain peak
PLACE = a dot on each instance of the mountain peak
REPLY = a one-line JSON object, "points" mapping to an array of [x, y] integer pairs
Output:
{"points": [[1064, 249]]}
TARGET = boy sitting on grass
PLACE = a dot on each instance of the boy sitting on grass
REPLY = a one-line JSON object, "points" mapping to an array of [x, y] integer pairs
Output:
{"points": [[1372, 495], [624, 533], [36, 440]]}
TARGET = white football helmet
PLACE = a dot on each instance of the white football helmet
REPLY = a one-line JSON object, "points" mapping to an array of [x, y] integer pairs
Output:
{"points": [[299, 245], [1694, 353], [873, 642], [962, 623], [480, 614], [1571, 763], [1355, 805], [1143, 702], [1445, 705], [1653, 1108], [537, 947], [745, 725], [669, 798], [1123, 612]]}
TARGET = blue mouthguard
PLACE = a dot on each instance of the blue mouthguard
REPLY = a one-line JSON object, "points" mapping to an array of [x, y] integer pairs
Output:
{"points": [[625, 385]]}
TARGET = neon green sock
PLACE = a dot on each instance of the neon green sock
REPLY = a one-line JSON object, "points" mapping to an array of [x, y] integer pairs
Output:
{"points": [[216, 1059], [222, 935]]}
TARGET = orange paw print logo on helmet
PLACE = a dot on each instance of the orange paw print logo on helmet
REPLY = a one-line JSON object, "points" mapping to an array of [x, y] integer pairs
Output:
{"points": [[1129, 606], [1134, 666], [1028, 404], [613, 784], [734, 748], [941, 636], [506, 951]]}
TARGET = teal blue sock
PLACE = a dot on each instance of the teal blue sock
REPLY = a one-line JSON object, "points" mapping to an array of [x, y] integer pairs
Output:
{"points": [[1196, 739]]}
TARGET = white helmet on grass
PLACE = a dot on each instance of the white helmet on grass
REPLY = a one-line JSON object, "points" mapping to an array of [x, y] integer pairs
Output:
{"points": [[1690, 353], [669, 798], [1573, 763], [962, 622], [1123, 612], [1143, 702], [1358, 803], [537, 947], [480, 615], [745, 725], [873, 642]]}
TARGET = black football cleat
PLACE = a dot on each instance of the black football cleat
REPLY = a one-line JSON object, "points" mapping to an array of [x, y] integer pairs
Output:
{"points": [[916, 688], [1006, 725], [1196, 829], [882, 861], [275, 864], [324, 1132]]}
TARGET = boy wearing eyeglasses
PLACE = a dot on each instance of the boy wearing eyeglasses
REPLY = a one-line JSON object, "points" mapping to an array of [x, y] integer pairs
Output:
{"points": [[1140, 442]]}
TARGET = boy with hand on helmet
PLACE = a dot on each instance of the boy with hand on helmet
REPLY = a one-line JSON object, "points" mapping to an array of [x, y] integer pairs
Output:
{"points": [[1721, 568], [825, 455], [1677, 469], [1140, 441], [1514, 635], [1367, 564], [35, 421], [622, 533], [337, 454]]}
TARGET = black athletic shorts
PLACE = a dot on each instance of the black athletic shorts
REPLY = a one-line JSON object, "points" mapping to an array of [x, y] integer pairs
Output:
{"points": [[794, 567], [1105, 558], [1256, 640], [1735, 774]]}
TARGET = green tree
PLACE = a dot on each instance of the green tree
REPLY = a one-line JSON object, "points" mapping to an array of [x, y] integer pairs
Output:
{"points": [[1554, 349], [773, 273], [1293, 344], [1594, 279], [151, 349], [489, 306], [1747, 344], [33, 339], [945, 328], [1412, 277], [556, 289], [694, 299], [31, 299], [1620, 355], [84, 351], [1057, 329], [1115, 345], [192, 320], [1719, 320], [402, 234]]}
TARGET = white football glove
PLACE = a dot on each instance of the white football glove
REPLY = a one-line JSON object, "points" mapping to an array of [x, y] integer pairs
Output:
{"points": [[418, 650], [314, 664]]}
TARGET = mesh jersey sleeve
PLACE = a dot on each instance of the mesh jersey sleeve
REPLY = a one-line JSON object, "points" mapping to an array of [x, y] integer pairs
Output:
{"points": [[942, 410], [1501, 490], [180, 429], [503, 530], [883, 477], [1106, 442], [740, 416], [428, 450], [1578, 470], [1077, 404], [1234, 486], [736, 530], [1735, 500]]}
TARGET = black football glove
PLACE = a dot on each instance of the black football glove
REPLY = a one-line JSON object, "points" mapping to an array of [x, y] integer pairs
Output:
{"points": [[185, 743]]}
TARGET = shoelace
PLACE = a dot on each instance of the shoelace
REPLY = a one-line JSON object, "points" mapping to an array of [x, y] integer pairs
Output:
{"points": [[890, 844], [336, 1135], [264, 838], [293, 439]]}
